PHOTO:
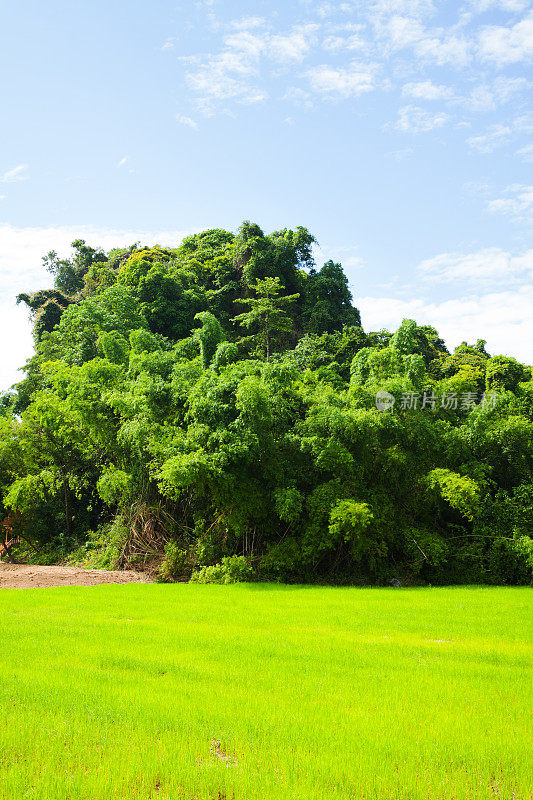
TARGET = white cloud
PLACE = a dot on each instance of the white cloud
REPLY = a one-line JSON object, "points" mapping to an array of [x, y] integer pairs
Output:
{"points": [[412, 119], [427, 90], [507, 45], [347, 254], [15, 329], [400, 155], [413, 8], [502, 318], [505, 5], [169, 43], [292, 46], [342, 82], [398, 39], [486, 97], [224, 77], [524, 124], [347, 38], [19, 173], [505, 88], [437, 45], [496, 136], [299, 97], [248, 23], [253, 97], [187, 121], [21, 249], [354, 262], [124, 160], [21, 269], [323, 9], [526, 153], [489, 266], [248, 44], [232, 74], [401, 32], [444, 49], [516, 203]]}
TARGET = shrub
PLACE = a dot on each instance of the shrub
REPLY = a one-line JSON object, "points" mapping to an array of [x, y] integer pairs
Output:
{"points": [[233, 569], [105, 547], [173, 563]]}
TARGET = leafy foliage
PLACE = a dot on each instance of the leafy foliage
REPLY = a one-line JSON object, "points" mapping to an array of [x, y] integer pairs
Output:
{"points": [[233, 569], [249, 444], [267, 312]]}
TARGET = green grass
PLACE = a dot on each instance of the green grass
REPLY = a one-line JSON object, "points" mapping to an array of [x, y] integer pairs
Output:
{"points": [[248, 692]]}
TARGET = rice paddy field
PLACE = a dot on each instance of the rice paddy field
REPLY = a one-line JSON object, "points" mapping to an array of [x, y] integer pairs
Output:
{"points": [[264, 691]]}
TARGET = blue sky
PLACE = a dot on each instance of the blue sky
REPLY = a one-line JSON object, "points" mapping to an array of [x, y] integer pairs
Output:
{"points": [[397, 131]]}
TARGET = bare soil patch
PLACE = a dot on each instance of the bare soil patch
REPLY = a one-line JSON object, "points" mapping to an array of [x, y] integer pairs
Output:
{"points": [[32, 576]]}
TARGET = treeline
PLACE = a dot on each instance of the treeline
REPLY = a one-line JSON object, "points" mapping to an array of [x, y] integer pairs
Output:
{"points": [[217, 410]]}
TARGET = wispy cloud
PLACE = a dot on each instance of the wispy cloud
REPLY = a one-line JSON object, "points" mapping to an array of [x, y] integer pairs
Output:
{"points": [[346, 40], [411, 8], [506, 5], [399, 32], [487, 142], [507, 45], [488, 96], [501, 133], [248, 23], [232, 74], [187, 121], [491, 265], [441, 49], [427, 90], [484, 96], [413, 119], [392, 46], [169, 43], [18, 173], [526, 153], [342, 82], [437, 46], [300, 97], [227, 76], [401, 155], [293, 46], [516, 203]]}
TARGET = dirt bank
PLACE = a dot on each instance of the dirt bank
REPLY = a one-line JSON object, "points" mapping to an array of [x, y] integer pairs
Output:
{"points": [[31, 576]]}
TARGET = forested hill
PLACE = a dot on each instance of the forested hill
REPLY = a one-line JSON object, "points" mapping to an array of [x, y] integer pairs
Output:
{"points": [[218, 410]]}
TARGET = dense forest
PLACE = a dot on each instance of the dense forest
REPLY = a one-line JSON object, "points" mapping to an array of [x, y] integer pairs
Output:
{"points": [[218, 411]]}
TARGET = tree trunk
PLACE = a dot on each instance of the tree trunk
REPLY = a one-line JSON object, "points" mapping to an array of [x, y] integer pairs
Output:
{"points": [[67, 510]]}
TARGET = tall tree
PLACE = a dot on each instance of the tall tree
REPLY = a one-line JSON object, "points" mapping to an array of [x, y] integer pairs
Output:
{"points": [[267, 312], [328, 301]]}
